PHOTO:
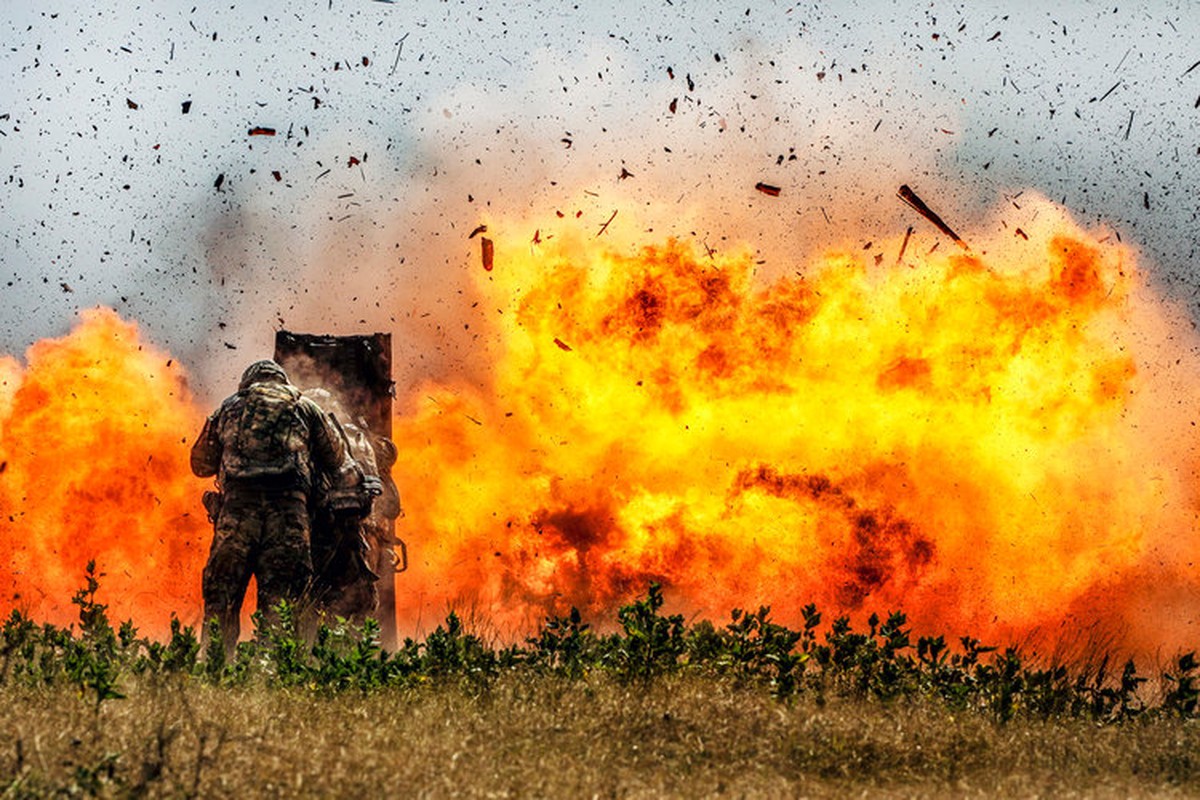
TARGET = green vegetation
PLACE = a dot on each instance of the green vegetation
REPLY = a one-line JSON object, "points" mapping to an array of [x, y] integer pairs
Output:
{"points": [[657, 706]]}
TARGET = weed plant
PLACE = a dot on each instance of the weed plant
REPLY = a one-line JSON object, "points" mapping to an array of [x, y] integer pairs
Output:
{"points": [[880, 663], [657, 706]]}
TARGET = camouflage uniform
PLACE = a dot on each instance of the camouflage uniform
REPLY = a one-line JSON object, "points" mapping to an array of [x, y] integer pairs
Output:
{"points": [[263, 444], [351, 548]]}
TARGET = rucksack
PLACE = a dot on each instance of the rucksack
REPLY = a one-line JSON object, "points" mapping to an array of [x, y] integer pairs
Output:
{"points": [[263, 434]]}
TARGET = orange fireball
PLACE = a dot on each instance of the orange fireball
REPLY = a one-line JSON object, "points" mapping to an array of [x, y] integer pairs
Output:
{"points": [[988, 441], [94, 441]]}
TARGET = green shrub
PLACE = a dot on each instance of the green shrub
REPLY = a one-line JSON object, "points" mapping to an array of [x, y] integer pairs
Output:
{"points": [[879, 664]]}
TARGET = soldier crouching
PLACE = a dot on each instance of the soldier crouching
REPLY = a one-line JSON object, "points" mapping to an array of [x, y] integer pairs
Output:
{"points": [[264, 444]]}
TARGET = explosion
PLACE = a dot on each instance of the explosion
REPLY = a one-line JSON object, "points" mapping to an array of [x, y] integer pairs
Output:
{"points": [[981, 440], [94, 439], [996, 442]]}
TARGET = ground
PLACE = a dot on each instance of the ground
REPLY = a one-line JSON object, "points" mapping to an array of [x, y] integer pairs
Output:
{"points": [[522, 736]]}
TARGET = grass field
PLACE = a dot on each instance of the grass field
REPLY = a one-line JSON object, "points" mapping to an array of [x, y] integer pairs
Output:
{"points": [[681, 736], [657, 708]]}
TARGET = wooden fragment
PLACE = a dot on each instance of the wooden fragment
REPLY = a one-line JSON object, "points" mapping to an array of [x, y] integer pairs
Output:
{"points": [[917, 204], [486, 252]]}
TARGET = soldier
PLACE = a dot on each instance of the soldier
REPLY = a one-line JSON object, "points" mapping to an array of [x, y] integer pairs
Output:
{"points": [[266, 444], [351, 548]]}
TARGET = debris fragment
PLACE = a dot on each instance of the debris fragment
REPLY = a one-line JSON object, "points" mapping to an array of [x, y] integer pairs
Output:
{"points": [[995, 36], [904, 244], [231, 346], [909, 196], [624, 174], [261, 131], [276, 175], [66, 287], [562, 345], [767, 189], [187, 106], [131, 104], [486, 252], [673, 105], [220, 180], [478, 230], [399, 50], [1022, 234], [1106, 94], [604, 227]]}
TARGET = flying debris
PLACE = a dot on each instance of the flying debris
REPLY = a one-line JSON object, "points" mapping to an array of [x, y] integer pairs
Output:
{"points": [[904, 244], [607, 222], [909, 196], [486, 252]]}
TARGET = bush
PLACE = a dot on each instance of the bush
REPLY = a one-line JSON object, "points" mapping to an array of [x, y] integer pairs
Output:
{"points": [[879, 664]]}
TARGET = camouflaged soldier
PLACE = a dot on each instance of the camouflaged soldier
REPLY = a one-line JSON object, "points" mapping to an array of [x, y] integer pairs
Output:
{"points": [[266, 445], [351, 551]]}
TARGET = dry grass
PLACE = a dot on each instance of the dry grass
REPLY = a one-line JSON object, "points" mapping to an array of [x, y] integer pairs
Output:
{"points": [[544, 737]]}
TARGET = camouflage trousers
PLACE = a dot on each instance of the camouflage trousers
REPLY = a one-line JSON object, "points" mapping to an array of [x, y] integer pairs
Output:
{"points": [[264, 533], [344, 584]]}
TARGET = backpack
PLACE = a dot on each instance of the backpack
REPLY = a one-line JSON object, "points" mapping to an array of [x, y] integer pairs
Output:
{"points": [[263, 435]]}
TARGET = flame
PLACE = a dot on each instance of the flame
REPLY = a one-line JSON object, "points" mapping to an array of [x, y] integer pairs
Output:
{"points": [[999, 443], [984, 440], [94, 441]]}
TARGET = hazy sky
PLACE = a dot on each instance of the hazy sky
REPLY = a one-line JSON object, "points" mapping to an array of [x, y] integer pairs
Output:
{"points": [[130, 176]]}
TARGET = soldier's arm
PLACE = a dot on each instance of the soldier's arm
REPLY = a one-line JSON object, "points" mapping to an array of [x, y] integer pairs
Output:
{"points": [[206, 452], [328, 448]]}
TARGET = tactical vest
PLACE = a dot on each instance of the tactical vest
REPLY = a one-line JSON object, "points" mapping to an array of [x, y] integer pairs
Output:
{"points": [[264, 437]]}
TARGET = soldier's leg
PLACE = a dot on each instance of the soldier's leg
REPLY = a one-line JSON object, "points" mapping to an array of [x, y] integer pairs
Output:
{"points": [[284, 564], [227, 572]]}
